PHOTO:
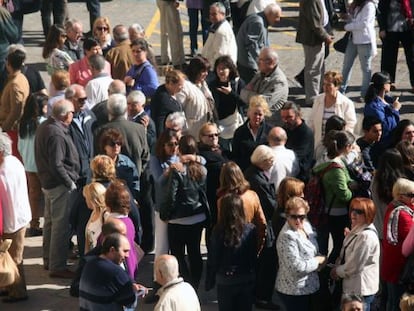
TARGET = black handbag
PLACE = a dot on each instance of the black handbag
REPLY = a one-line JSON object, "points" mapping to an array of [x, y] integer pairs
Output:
{"points": [[342, 43]]}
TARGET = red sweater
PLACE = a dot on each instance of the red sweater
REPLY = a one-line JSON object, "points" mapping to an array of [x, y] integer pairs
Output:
{"points": [[393, 260]]}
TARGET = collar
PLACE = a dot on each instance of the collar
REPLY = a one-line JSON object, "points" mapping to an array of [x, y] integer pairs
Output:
{"points": [[214, 27], [169, 285], [138, 114]]}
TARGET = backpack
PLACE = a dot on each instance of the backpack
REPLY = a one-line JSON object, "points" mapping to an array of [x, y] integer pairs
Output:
{"points": [[315, 195]]}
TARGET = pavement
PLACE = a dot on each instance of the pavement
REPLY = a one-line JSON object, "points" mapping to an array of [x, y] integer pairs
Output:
{"points": [[52, 294]]}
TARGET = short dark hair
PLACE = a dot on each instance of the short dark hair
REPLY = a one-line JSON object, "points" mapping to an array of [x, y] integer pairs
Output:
{"points": [[89, 43], [196, 66], [370, 121], [142, 43], [228, 63], [16, 59], [112, 240]]}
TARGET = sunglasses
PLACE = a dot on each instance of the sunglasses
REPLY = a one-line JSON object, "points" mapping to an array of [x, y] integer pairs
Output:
{"points": [[102, 28], [297, 217], [211, 135], [113, 143], [172, 144], [357, 211], [410, 195]]}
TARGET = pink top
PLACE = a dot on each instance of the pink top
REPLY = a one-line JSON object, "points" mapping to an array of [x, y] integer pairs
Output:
{"points": [[80, 73]]}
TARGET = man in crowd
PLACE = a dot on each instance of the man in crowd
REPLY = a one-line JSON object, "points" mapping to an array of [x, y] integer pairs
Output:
{"points": [[73, 45], [97, 88], [300, 138], [57, 160], [173, 289], [270, 82], [372, 128], [252, 37], [120, 56]]}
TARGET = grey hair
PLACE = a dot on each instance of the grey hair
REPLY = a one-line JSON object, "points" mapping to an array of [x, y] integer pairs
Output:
{"points": [[117, 105], [136, 97], [72, 90], [168, 266], [117, 87], [137, 27], [176, 118], [220, 6], [272, 54], [260, 154], [97, 62], [61, 108], [291, 105], [120, 33], [15, 47], [70, 22], [277, 135], [347, 298], [5, 144], [272, 8]]}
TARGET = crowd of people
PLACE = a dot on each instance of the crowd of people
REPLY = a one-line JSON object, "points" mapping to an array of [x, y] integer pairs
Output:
{"points": [[130, 166]]}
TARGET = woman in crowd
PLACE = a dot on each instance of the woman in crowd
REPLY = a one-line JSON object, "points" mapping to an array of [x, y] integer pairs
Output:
{"points": [[362, 41], [56, 58], [252, 133], [28, 124], [299, 261], [164, 101], [210, 149], [195, 97], [257, 175], [407, 153], [80, 71], [337, 186], [117, 200], [403, 131], [60, 81], [142, 75], [94, 194], [331, 102], [184, 210], [111, 141], [379, 104], [397, 223], [358, 263], [390, 168], [232, 257], [102, 33], [232, 181], [226, 87]]}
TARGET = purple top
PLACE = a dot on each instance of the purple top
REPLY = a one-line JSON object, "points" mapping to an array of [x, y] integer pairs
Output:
{"points": [[132, 260], [194, 4]]}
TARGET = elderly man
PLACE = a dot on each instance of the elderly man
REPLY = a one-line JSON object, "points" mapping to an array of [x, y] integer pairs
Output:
{"points": [[270, 82], [252, 37], [14, 202], [220, 40], [135, 140], [97, 88], [57, 160], [300, 138], [14, 96], [173, 289], [120, 57], [74, 32], [285, 163], [313, 17]]}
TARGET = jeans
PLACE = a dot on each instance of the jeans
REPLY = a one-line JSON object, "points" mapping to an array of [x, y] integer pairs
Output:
{"points": [[56, 229], [364, 53], [335, 226], [59, 10], [181, 237], [367, 302], [235, 296], [194, 17], [394, 292]]}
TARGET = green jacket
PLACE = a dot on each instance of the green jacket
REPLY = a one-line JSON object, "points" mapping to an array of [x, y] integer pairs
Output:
{"points": [[335, 183]]}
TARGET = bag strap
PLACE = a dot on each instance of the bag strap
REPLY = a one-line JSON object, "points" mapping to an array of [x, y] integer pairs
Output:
{"points": [[342, 256], [321, 174]]}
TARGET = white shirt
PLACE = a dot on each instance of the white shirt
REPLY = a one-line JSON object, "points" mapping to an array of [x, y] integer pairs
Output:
{"points": [[285, 164]]}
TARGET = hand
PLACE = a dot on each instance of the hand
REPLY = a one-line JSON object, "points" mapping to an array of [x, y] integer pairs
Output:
{"points": [[346, 231], [72, 186], [140, 288], [329, 40], [225, 89], [396, 104], [249, 87], [129, 81], [145, 121], [177, 4], [382, 34], [321, 259], [177, 166], [333, 274], [185, 158]]}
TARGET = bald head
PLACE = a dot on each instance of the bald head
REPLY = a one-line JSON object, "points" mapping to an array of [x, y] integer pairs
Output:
{"points": [[277, 137], [273, 13], [113, 225], [166, 268], [120, 33], [117, 87]]}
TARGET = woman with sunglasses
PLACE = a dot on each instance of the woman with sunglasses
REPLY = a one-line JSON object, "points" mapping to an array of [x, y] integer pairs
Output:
{"points": [[299, 261], [102, 33], [358, 262], [398, 221]]}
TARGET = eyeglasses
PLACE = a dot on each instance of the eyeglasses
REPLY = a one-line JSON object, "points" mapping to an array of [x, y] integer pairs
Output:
{"points": [[172, 144], [357, 211], [410, 195], [102, 28], [212, 135], [297, 217], [114, 143], [82, 100]]}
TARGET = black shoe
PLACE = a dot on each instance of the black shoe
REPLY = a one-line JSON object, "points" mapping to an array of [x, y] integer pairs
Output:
{"points": [[300, 79], [10, 299], [266, 305], [34, 232]]}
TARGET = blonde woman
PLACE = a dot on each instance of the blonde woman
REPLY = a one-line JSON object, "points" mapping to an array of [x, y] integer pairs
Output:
{"points": [[252, 133], [102, 33], [94, 194]]}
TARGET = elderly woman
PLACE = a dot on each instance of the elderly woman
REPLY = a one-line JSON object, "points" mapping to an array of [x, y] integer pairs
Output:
{"points": [[257, 175], [397, 224], [102, 33], [252, 133], [176, 121], [142, 75], [164, 100], [111, 141], [331, 102], [14, 201], [299, 261], [195, 97], [358, 262]]}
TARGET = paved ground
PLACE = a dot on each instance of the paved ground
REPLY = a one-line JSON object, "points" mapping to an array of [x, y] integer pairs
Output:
{"points": [[52, 294]]}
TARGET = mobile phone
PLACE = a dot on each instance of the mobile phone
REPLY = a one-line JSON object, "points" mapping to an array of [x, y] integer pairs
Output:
{"points": [[220, 84]]}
